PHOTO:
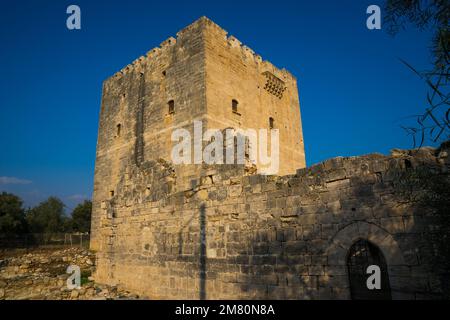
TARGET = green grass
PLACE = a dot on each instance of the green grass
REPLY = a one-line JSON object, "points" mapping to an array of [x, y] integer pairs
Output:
{"points": [[85, 274]]}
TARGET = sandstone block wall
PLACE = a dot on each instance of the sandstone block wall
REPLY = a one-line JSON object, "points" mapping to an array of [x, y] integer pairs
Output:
{"points": [[135, 123], [265, 237], [263, 91]]}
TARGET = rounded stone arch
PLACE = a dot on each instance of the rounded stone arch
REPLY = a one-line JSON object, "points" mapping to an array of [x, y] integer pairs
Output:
{"points": [[339, 246], [361, 255], [343, 240]]}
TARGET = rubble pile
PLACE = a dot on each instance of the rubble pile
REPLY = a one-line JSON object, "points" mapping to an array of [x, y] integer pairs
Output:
{"points": [[41, 275]]}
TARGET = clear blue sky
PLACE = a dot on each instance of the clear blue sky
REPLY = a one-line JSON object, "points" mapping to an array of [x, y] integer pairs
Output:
{"points": [[353, 90]]}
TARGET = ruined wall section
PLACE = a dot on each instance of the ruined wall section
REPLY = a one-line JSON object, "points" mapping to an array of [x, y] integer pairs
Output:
{"points": [[262, 91], [265, 237]]}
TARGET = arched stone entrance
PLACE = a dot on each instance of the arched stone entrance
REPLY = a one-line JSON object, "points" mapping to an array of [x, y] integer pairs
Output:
{"points": [[361, 255], [339, 250]]}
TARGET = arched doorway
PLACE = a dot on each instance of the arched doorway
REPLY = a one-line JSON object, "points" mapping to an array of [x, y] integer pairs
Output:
{"points": [[361, 255]]}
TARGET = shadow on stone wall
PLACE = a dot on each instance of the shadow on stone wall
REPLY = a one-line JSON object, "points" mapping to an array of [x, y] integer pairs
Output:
{"points": [[296, 261], [274, 267], [202, 260], [288, 237]]}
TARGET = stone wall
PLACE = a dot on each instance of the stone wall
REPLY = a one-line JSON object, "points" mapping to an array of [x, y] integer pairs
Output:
{"points": [[234, 71], [265, 237], [135, 124]]}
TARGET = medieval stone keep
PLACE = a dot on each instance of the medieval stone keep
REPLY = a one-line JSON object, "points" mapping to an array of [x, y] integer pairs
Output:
{"points": [[223, 232]]}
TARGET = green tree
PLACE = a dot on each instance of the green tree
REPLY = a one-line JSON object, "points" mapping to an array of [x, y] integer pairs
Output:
{"points": [[12, 214], [423, 14], [81, 217], [47, 217]]}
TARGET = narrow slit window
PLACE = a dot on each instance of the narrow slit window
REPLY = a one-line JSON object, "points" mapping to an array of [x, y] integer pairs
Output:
{"points": [[247, 148], [271, 123], [118, 129], [408, 164], [234, 106], [111, 193], [171, 105]]}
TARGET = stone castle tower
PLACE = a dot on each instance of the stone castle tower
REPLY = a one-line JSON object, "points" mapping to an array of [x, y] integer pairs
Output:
{"points": [[205, 231], [202, 75]]}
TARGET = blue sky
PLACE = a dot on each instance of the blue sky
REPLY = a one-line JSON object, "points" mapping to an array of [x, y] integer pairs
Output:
{"points": [[354, 92]]}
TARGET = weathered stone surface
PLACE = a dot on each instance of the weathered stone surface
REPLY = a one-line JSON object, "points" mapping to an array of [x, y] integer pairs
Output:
{"points": [[222, 231], [46, 277]]}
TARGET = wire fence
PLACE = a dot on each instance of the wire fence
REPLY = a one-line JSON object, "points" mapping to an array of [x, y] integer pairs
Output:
{"points": [[47, 240]]}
